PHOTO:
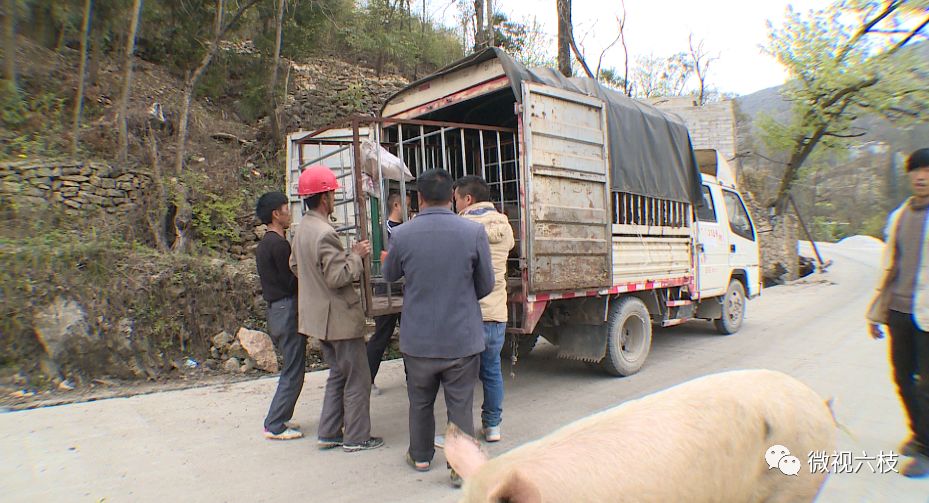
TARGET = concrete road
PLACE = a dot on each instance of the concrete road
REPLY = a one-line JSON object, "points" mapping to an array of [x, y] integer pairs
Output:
{"points": [[205, 444]]}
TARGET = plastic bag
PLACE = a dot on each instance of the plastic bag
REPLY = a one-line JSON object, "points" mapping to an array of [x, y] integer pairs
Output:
{"points": [[392, 167]]}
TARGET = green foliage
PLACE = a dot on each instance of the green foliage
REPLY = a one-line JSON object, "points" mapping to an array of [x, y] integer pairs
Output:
{"points": [[214, 219], [847, 59], [33, 123]]}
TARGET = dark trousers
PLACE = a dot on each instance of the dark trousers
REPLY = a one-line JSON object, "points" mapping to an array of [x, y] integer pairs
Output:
{"points": [[909, 353], [346, 404], [282, 325], [383, 330], [458, 376]]}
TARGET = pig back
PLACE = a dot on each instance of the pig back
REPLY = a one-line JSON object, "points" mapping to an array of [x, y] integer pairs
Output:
{"points": [[701, 441]]}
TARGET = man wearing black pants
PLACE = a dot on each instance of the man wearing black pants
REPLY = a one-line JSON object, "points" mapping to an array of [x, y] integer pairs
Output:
{"points": [[279, 289], [384, 325], [902, 304], [446, 262]]}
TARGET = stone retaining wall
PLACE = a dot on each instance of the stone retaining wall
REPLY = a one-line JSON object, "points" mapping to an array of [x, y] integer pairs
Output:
{"points": [[76, 185]]}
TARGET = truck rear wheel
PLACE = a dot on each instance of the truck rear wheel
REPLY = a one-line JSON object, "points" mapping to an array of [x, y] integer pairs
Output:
{"points": [[733, 309], [629, 337]]}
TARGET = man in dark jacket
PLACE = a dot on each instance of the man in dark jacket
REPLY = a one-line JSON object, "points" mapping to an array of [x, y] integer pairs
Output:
{"points": [[447, 265]]}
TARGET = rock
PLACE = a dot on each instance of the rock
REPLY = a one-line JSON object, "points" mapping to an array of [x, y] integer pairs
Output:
{"points": [[236, 350], [261, 230], [260, 348], [222, 340], [63, 323], [215, 352], [248, 366], [231, 365], [211, 364]]}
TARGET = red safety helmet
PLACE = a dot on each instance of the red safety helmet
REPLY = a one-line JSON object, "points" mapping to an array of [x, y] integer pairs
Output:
{"points": [[315, 180]]}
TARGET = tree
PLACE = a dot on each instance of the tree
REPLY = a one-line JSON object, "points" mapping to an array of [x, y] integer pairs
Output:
{"points": [[700, 62], [79, 98], [658, 76], [9, 41], [123, 153], [846, 59], [564, 37], [220, 29], [480, 34], [525, 40], [272, 85]]}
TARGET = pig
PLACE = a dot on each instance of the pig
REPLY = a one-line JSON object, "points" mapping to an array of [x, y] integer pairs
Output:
{"points": [[705, 440]]}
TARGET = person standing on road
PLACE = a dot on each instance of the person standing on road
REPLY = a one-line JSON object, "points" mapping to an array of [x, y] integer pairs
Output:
{"points": [[279, 289], [902, 303], [446, 262], [330, 310], [472, 200], [384, 325]]}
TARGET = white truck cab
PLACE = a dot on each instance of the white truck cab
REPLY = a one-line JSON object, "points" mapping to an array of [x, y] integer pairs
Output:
{"points": [[727, 254]]}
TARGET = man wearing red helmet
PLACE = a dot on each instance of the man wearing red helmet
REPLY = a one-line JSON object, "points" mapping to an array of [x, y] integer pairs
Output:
{"points": [[329, 310]]}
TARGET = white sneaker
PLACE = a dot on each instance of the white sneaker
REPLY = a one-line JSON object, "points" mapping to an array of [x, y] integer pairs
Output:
{"points": [[288, 434], [439, 441], [492, 433]]}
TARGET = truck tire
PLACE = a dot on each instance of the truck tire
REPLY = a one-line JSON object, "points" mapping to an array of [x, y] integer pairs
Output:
{"points": [[629, 337], [733, 309], [524, 346]]}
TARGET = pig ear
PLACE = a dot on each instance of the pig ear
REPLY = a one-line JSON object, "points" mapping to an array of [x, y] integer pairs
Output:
{"points": [[516, 488], [463, 452]]}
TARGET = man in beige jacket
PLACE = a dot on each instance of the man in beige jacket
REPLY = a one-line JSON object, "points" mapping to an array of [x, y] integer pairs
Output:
{"points": [[472, 200], [329, 310], [902, 303]]}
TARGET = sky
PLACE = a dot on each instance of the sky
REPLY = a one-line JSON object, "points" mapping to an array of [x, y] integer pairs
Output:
{"points": [[733, 30]]}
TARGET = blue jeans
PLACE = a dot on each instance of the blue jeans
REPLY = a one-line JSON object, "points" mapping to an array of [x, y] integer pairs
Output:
{"points": [[491, 374]]}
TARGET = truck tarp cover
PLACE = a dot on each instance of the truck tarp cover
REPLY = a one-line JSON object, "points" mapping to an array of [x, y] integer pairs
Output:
{"points": [[650, 151]]}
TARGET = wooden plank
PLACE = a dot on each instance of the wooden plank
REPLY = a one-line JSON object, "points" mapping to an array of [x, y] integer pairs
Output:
{"points": [[571, 247], [650, 230]]}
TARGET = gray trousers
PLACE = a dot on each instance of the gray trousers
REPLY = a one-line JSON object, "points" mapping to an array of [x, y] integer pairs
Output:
{"points": [[458, 376], [282, 325], [348, 392]]}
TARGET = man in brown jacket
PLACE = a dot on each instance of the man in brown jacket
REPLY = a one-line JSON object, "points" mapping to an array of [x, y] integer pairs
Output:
{"points": [[901, 302], [329, 310]]}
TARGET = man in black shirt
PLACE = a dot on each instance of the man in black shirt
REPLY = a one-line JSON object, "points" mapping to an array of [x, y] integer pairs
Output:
{"points": [[279, 289], [384, 325]]}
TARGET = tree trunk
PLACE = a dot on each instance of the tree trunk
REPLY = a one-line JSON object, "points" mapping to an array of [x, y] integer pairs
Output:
{"points": [[479, 32], [127, 83], [192, 79], [564, 37], [96, 52], [79, 99], [272, 87], [489, 38], [9, 41]]}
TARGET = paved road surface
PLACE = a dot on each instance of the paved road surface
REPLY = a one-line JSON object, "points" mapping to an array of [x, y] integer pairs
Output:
{"points": [[205, 444]]}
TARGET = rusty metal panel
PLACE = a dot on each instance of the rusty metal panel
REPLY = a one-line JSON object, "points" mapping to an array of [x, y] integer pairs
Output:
{"points": [[567, 187]]}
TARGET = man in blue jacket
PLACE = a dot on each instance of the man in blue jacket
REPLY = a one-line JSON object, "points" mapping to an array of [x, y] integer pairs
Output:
{"points": [[447, 265]]}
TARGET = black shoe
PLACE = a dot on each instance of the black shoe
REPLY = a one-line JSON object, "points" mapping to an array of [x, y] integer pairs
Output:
{"points": [[917, 468], [911, 448], [371, 443]]}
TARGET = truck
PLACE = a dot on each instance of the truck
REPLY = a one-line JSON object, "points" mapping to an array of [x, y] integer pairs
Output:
{"points": [[620, 224]]}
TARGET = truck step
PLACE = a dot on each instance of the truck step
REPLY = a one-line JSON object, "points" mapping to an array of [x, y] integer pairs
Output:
{"points": [[678, 303], [673, 322]]}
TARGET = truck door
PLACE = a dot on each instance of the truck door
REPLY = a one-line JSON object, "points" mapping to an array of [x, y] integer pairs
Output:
{"points": [[565, 144], [712, 244], [743, 243]]}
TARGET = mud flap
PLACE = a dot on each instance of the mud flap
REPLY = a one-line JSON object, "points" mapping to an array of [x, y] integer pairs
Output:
{"points": [[581, 342]]}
